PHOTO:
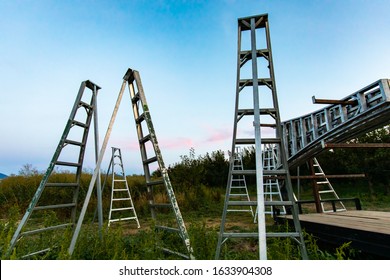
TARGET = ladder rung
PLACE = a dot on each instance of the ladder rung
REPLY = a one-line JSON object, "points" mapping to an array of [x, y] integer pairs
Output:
{"points": [[254, 203], [250, 112], [68, 185], [119, 190], [160, 205], [85, 105], [122, 209], [68, 163], [45, 229], [150, 160], [145, 139], [121, 199], [153, 183], [123, 219], [248, 141], [249, 82], [140, 118], [242, 203], [239, 210], [135, 98], [273, 172], [76, 143], [55, 206], [256, 235], [327, 191], [36, 253], [322, 182], [79, 123], [120, 180], [245, 141], [175, 253], [238, 194], [248, 54], [167, 228]]}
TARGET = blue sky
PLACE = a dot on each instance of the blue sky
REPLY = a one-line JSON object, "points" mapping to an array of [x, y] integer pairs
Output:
{"points": [[185, 52]]}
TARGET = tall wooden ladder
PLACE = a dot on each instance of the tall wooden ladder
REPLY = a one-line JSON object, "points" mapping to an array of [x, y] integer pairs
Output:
{"points": [[325, 190], [254, 45], [161, 197], [121, 205], [238, 187], [53, 207]]}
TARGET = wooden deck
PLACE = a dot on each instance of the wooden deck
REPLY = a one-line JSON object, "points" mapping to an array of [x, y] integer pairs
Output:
{"points": [[369, 231]]}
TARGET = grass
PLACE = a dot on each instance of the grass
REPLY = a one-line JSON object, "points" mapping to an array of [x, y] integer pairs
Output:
{"points": [[201, 208]]}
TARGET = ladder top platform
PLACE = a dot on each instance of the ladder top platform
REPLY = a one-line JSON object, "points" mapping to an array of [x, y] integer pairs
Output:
{"points": [[256, 17], [91, 85]]}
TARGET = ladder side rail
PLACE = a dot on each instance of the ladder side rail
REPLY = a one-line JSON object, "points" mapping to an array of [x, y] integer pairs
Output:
{"points": [[258, 155], [112, 165], [98, 181], [163, 169]]}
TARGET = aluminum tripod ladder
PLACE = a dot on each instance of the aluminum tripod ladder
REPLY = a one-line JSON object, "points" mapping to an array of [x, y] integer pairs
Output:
{"points": [[41, 218], [268, 131], [325, 190], [162, 200], [238, 187], [121, 205]]}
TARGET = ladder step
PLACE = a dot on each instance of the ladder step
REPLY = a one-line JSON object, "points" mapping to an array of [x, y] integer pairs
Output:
{"points": [[55, 206], [322, 182], [274, 172], [150, 160], [327, 191], [154, 183], [171, 229], [135, 98], [119, 190], [122, 209], [259, 53], [36, 253], [45, 229], [254, 203], [238, 194], [256, 235], [140, 118], [249, 82], [248, 141], [68, 185], [239, 210], [85, 105], [160, 205], [121, 199], [79, 123], [169, 251], [76, 143], [123, 219], [64, 163], [145, 139], [263, 111], [120, 180]]}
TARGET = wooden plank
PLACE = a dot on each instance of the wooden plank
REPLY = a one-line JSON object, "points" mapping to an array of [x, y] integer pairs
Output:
{"points": [[368, 231], [374, 221]]}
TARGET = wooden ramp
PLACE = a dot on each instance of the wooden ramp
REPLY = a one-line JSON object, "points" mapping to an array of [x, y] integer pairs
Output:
{"points": [[369, 231]]}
